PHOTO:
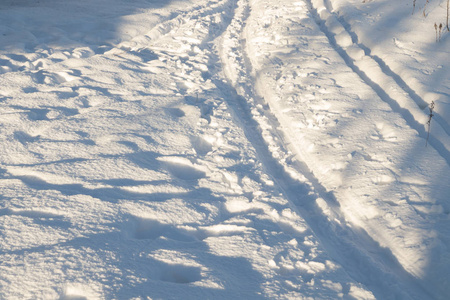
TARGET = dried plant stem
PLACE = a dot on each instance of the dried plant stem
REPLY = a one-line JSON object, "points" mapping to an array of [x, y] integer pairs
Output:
{"points": [[436, 27], [448, 7], [425, 8], [429, 121]]}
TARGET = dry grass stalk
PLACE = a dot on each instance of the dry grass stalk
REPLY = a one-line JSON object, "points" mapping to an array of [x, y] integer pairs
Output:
{"points": [[429, 121]]}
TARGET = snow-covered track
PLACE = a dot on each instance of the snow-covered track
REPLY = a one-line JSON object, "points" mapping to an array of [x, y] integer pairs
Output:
{"points": [[208, 149], [362, 257], [388, 85]]}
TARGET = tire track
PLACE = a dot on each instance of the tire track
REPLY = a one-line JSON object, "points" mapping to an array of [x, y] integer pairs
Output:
{"points": [[389, 86], [421, 103], [363, 258]]}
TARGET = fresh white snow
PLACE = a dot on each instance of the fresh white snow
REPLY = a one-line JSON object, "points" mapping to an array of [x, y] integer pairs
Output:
{"points": [[224, 149]]}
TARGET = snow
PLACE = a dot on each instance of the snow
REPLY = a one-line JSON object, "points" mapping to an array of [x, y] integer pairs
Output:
{"points": [[221, 149]]}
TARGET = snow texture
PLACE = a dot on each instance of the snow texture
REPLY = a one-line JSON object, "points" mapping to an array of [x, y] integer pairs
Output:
{"points": [[224, 149]]}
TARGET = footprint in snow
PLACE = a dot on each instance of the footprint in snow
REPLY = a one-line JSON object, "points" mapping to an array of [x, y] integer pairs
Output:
{"points": [[384, 132], [34, 214], [152, 229], [38, 114], [182, 167], [175, 112], [201, 145], [38, 216], [44, 77], [77, 291], [24, 137], [178, 273], [73, 297], [83, 52]]}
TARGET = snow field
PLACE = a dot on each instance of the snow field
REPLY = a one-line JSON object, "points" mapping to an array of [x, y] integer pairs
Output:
{"points": [[222, 149], [126, 176]]}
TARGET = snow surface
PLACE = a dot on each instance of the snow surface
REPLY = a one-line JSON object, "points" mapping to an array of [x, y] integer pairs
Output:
{"points": [[224, 149]]}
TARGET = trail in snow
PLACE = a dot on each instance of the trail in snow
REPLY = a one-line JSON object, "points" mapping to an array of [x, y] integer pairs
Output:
{"points": [[409, 54], [217, 149], [388, 86], [333, 230], [125, 176], [391, 89]]}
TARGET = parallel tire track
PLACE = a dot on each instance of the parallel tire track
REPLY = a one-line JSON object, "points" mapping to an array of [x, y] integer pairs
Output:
{"points": [[380, 78], [363, 258]]}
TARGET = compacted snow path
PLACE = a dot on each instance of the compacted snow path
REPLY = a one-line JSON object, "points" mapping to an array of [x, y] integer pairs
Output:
{"points": [[125, 175], [212, 149], [276, 55]]}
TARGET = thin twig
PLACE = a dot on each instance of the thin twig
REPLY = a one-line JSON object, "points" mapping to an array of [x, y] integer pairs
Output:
{"points": [[436, 27], [429, 121], [448, 9], [425, 9]]}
